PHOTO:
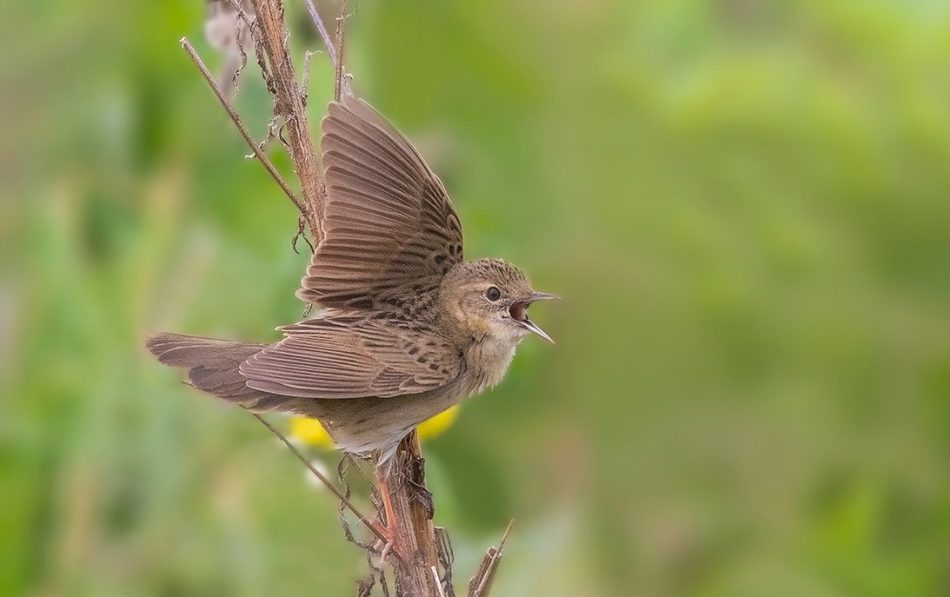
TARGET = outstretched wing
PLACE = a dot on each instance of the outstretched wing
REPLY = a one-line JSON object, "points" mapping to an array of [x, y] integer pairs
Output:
{"points": [[343, 357], [390, 229]]}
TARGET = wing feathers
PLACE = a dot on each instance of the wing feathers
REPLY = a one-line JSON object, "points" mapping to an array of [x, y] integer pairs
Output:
{"points": [[351, 358], [389, 225]]}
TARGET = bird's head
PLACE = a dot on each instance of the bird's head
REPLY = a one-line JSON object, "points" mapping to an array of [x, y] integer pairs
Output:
{"points": [[490, 297]]}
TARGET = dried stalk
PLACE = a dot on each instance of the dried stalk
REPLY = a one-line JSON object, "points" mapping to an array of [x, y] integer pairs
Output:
{"points": [[343, 498], [257, 151], [322, 30], [338, 67], [446, 560], [481, 583], [414, 533], [342, 82], [288, 103]]}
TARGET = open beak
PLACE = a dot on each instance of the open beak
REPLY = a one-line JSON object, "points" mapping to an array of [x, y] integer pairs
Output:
{"points": [[519, 312]]}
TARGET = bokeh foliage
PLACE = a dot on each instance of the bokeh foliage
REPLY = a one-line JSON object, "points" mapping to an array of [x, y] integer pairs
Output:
{"points": [[744, 204]]}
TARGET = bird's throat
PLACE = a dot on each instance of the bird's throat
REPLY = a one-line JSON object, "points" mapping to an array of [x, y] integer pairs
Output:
{"points": [[488, 360]]}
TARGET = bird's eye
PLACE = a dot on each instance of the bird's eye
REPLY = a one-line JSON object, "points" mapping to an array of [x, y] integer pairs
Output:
{"points": [[492, 294]]}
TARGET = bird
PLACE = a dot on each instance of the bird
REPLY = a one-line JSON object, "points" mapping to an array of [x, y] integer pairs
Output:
{"points": [[406, 327]]}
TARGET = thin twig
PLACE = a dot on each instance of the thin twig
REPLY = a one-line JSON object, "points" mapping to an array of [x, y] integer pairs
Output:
{"points": [[343, 499], [438, 581], [261, 157], [342, 87], [347, 532], [271, 127], [288, 104], [318, 23], [446, 559], [301, 224], [338, 70], [486, 572], [305, 83]]}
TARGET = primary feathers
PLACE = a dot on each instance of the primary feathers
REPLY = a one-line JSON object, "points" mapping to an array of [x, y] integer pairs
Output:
{"points": [[391, 230]]}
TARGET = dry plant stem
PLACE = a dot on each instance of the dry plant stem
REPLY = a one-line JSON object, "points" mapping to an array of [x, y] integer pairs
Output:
{"points": [[342, 85], [321, 477], [305, 83], [258, 153], [446, 559], [288, 103], [438, 582], [413, 532], [481, 583], [338, 74], [318, 23]]}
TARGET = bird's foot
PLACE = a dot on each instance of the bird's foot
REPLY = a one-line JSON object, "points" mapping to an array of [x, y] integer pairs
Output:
{"points": [[386, 533], [387, 545]]}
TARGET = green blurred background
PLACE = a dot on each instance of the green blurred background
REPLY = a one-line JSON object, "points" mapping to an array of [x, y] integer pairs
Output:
{"points": [[744, 204]]}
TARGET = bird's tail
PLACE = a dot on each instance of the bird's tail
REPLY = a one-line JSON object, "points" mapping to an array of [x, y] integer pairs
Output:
{"points": [[213, 367]]}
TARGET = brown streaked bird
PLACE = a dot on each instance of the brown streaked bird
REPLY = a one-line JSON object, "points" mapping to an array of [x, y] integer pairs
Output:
{"points": [[406, 329]]}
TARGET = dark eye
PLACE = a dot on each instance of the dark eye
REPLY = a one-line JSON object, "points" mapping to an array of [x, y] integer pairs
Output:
{"points": [[493, 294]]}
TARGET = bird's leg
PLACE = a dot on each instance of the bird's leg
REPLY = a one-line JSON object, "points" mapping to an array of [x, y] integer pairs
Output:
{"points": [[389, 529]]}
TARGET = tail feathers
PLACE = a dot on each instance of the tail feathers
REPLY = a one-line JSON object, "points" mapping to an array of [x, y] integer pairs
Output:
{"points": [[212, 366], [178, 350]]}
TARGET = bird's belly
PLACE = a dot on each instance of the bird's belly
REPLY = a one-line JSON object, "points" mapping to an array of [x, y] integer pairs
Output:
{"points": [[364, 425]]}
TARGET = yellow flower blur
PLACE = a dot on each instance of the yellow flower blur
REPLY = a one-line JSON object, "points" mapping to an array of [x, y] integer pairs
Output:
{"points": [[439, 423], [310, 432]]}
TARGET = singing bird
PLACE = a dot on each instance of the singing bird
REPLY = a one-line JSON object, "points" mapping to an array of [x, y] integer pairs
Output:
{"points": [[406, 328]]}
